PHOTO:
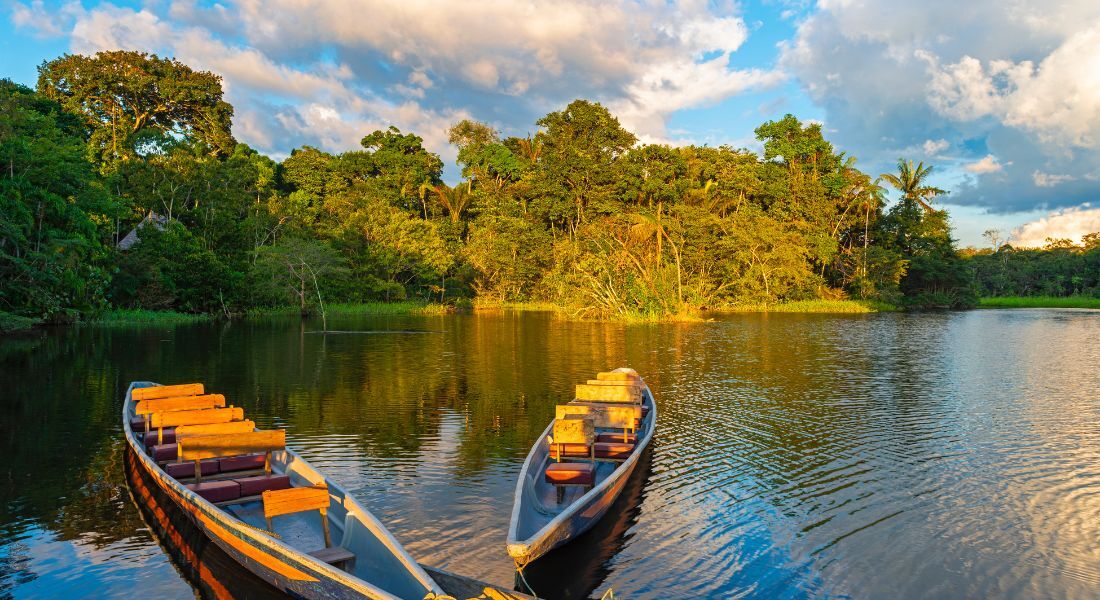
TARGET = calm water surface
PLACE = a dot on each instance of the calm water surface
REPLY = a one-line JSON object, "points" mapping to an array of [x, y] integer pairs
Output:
{"points": [[937, 455]]}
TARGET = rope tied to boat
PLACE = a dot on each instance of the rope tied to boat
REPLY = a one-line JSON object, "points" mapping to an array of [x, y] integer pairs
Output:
{"points": [[519, 570]]}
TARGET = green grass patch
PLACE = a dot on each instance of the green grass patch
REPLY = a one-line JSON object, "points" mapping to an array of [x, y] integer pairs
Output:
{"points": [[486, 304], [130, 316], [10, 323], [405, 307], [816, 306], [640, 317], [1040, 302]]}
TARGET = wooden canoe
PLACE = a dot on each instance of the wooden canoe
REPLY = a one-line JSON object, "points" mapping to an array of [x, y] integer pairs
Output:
{"points": [[381, 568], [539, 521]]}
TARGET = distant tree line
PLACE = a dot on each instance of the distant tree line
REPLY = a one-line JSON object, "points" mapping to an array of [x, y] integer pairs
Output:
{"points": [[577, 213], [1060, 268]]}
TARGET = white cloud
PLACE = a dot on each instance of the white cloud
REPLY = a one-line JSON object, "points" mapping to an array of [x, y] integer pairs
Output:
{"points": [[1058, 99], [1068, 223], [934, 147], [43, 22], [644, 61], [1019, 81], [988, 164], [1042, 179], [421, 64]]}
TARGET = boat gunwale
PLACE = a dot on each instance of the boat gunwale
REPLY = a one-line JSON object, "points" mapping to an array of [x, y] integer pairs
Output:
{"points": [[599, 489], [264, 542]]}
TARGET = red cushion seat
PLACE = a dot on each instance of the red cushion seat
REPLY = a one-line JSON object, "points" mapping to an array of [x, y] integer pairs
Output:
{"points": [[182, 470], [217, 491], [631, 438], [252, 486], [617, 450], [164, 452], [571, 473], [241, 463]]}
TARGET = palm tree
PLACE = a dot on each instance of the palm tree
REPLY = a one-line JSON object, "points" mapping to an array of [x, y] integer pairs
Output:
{"points": [[910, 182], [454, 199]]}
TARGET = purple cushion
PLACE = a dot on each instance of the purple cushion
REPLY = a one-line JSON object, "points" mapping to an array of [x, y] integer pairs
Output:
{"points": [[164, 452], [181, 470], [613, 450], [169, 436], [216, 491], [242, 463], [616, 437], [137, 424], [252, 486]]}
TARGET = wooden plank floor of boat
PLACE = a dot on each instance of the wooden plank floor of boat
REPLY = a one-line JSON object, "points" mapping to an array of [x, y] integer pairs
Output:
{"points": [[463, 587]]}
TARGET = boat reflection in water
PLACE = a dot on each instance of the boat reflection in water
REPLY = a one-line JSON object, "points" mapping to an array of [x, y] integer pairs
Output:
{"points": [[212, 572], [578, 568]]}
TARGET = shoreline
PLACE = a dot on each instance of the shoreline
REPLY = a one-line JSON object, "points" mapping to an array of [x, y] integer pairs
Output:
{"points": [[1039, 302], [143, 317]]}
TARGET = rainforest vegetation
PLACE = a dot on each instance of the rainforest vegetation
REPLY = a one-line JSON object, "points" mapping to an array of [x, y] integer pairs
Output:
{"points": [[122, 187]]}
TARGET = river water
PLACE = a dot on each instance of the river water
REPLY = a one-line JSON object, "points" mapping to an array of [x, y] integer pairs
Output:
{"points": [[796, 456]]}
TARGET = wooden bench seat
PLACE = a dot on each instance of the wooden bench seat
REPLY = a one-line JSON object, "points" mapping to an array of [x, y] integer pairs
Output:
{"points": [[231, 445], [166, 391], [336, 556], [301, 499]]}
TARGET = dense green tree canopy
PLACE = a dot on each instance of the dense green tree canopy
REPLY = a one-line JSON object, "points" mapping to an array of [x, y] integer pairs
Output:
{"points": [[577, 213], [134, 103]]}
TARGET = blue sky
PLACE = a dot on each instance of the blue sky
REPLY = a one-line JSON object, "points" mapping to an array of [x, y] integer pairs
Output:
{"points": [[1003, 98]]}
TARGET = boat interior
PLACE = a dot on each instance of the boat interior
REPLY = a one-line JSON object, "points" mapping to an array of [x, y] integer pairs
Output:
{"points": [[588, 441], [251, 476]]}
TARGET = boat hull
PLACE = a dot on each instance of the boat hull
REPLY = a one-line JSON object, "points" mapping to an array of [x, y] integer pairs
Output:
{"points": [[281, 566], [585, 512]]}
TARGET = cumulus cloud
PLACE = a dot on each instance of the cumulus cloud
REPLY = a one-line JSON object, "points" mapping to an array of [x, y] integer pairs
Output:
{"points": [[44, 23], [1042, 179], [988, 164], [1068, 223], [1057, 99], [320, 72], [1017, 81], [934, 147]]}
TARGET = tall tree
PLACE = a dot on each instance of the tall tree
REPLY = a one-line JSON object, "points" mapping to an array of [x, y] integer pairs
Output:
{"points": [[936, 277], [911, 182], [579, 149], [134, 103], [55, 215]]}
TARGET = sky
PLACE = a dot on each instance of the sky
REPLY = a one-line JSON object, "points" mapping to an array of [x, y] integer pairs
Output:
{"points": [[1002, 97]]}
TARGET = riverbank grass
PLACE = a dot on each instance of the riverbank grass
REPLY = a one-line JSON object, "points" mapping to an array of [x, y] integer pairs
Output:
{"points": [[482, 304], [815, 306], [405, 307], [130, 316], [10, 323], [1040, 302]]}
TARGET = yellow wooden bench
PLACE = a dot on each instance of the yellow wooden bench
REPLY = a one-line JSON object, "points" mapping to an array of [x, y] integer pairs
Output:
{"points": [[294, 500], [166, 391], [198, 447]]}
